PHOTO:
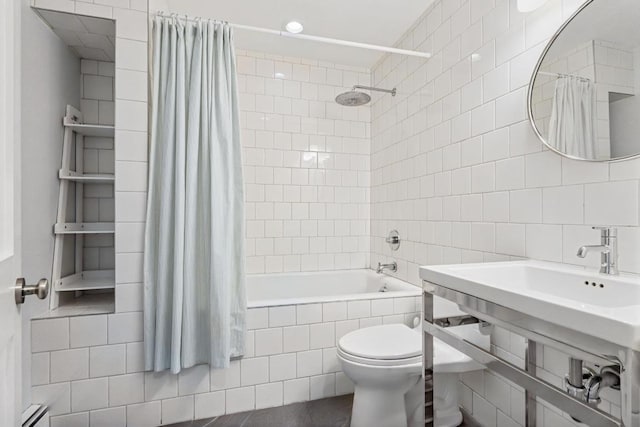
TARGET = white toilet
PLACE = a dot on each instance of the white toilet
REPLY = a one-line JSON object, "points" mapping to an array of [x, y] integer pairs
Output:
{"points": [[385, 364]]}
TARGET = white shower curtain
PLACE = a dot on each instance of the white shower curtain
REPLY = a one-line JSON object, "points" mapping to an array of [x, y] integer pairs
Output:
{"points": [[194, 294], [572, 127]]}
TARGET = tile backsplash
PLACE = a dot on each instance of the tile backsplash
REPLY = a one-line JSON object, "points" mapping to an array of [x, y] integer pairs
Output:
{"points": [[306, 165]]}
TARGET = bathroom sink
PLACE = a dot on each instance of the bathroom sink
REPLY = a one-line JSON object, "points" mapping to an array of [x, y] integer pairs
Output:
{"points": [[599, 305]]}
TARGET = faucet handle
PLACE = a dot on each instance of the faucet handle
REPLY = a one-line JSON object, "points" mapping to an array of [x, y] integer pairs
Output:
{"points": [[606, 231]]}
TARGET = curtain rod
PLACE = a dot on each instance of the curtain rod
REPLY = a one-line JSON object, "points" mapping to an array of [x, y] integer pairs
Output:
{"points": [[320, 39], [546, 73]]}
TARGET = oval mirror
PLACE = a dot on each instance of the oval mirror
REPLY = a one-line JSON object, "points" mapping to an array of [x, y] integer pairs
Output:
{"points": [[584, 96]]}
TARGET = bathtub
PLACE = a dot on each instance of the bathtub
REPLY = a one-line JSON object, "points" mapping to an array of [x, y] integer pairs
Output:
{"points": [[268, 290], [294, 323]]}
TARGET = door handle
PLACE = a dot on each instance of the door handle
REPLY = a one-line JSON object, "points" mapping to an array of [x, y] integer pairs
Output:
{"points": [[40, 289]]}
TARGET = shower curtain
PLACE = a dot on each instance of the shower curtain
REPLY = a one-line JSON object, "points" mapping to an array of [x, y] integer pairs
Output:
{"points": [[572, 127], [194, 290]]}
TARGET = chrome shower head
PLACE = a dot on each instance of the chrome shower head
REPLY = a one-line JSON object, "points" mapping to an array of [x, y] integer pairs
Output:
{"points": [[355, 98]]}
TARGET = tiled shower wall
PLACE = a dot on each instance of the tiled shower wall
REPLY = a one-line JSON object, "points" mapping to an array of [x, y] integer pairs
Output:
{"points": [[306, 165], [456, 168]]}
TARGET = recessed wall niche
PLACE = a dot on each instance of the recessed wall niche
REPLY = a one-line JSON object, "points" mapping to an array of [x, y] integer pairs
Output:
{"points": [[83, 273]]}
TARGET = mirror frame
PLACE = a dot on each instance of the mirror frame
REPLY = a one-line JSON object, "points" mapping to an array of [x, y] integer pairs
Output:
{"points": [[530, 95]]}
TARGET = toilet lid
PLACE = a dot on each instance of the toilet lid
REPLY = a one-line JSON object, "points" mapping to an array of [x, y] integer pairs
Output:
{"points": [[383, 342]]}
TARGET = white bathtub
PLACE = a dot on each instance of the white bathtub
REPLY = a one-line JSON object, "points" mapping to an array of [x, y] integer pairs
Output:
{"points": [[295, 321], [268, 290]]}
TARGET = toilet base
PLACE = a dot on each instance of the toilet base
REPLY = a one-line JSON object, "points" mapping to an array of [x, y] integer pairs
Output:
{"points": [[379, 391], [446, 400], [447, 412], [374, 406]]}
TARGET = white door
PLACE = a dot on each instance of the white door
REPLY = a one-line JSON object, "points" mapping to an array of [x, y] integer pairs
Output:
{"points": [[10, 262]]}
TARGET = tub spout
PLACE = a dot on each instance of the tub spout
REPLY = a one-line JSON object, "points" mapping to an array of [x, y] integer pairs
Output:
{"points": [[393, 267]]}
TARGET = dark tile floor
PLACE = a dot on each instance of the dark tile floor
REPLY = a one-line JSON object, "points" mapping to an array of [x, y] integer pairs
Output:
{"points": [[332, 412]]}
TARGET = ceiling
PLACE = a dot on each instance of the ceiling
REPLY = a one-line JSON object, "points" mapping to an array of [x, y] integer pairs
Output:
{"points": [[380, 22], [88, 37]]}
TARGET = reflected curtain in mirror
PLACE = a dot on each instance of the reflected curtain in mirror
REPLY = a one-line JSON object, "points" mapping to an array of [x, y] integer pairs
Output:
{"points": [[572, 126], [194, 290]]}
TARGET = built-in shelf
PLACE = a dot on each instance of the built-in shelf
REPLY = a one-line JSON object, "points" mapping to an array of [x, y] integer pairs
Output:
{"points": [[77, 291], [84, 228], [87, 281], [84, 305], [91, 130], [88, 178]]}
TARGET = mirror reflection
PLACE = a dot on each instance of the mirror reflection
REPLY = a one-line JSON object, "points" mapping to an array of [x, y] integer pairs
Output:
{"points": [[585, 101]]}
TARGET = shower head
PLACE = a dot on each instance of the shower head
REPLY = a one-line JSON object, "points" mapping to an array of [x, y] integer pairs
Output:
{"points": [[355, 98]]}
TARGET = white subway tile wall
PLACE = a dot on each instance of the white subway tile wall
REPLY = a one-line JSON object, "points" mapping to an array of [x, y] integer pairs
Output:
{"points": [[291, 357], [456, 168], [97, 106], [306, 165]]}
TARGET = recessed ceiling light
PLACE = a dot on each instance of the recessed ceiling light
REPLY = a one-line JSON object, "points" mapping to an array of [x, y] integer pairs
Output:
{"points": [[475, 57], [529, 5], [279, 75], [294, 27]]}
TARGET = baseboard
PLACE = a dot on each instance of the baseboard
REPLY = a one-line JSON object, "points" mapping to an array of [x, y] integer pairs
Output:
{"points": [[35, 416]]}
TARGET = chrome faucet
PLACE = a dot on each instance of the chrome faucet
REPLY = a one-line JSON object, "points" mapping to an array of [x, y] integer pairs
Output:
{"points": [[393, 267], [608, 249]]}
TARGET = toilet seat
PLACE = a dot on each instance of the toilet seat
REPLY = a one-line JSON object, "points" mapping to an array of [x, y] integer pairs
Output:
{"points": [[398, 345], [384, 342], [366, 361]]}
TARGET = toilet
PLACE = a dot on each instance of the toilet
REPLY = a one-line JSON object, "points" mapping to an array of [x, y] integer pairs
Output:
{"points": [[385, 364]]}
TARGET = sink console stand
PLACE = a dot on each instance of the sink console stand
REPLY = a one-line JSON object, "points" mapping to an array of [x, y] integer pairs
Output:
{"points": [[578, 345]]}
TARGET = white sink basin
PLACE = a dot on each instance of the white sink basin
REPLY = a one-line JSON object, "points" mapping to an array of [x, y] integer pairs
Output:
{"points": [[599, 305]]}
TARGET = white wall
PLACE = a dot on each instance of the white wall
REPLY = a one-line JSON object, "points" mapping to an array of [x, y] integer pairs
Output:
{"points": [[457, 169], [97, 87], [305, 165], [50, 77], [456, 166]]}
